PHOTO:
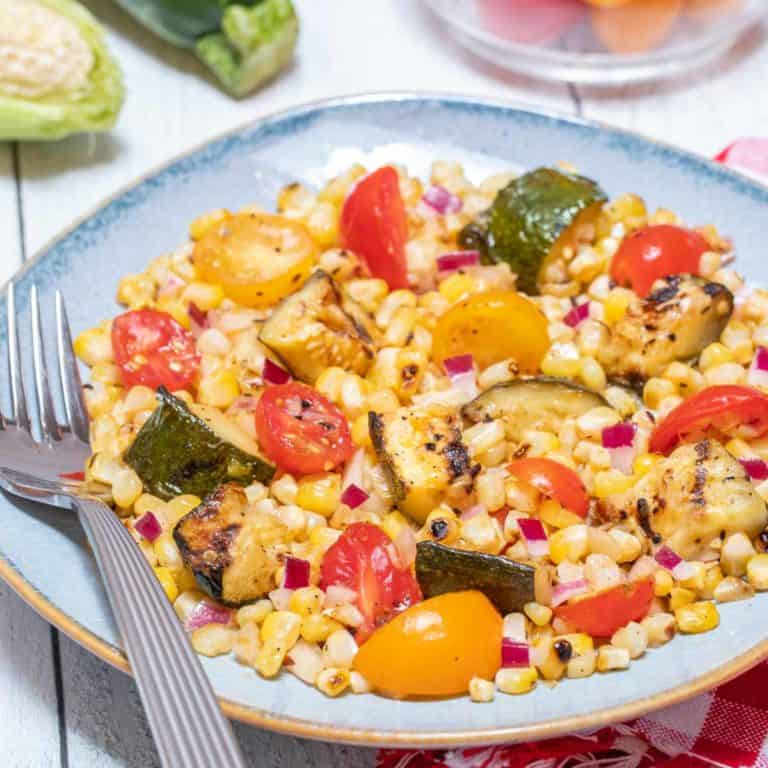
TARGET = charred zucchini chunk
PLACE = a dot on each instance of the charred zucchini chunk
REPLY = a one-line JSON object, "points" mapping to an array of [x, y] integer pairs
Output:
{"points": [[509, 585], [540, 402], [422, 454], [533, 220], [179, 450], [232, 551], [699, 493], [316, 328], [681, 316]]}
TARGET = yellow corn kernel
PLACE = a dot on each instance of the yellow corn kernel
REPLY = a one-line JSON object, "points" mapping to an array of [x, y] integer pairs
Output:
{"points": [[255, 612], [712, 577], [361, 435], [337, 188], [581, 643], [107, 373], [555, 364], [656, 389], [177, 507], [694, 618], [176, 309], [645, 462], [540, 615], [322, 538], [757, 572], [205, 296], [323, 224], [627, 209], [615, 305], [246, 644], [167, 552], [481, 690], [221, 389], [592, 374], [185, 579], [320, 493], [663, 583], [167, 582], [294, 199], [279, 633], [306, 601], [482, 533], [317, 628], [633, 637], [611, 482], [680, 596], [713, 355], [516, 680], [695, 581], [555, 515], [94, 345], [582, 666], [550, 668], [333, 681], [570, 543], [610, 658], [207, 221], [732, 588], [456, 286], [136, 291], [393, 523], [212, 640], [330, 381], [126, 487]]}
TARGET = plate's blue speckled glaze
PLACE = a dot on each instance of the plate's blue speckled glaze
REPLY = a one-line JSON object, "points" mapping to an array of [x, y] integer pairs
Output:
{"points": [[250, 166]]}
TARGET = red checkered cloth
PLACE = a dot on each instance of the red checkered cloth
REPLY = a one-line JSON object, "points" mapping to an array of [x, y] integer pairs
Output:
{"points": [[727, 727]]}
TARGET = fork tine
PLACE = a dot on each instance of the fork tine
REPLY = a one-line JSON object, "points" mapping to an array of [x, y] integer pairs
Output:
{"points": [[49, 429], [71, 384], [19, 412]]}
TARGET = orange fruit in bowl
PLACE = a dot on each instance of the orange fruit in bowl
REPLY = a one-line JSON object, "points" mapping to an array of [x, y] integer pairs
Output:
{"points": [[636, 26]]}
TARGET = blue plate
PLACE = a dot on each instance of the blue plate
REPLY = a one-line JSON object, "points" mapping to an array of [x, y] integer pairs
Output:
{"points": [[43, 553]]}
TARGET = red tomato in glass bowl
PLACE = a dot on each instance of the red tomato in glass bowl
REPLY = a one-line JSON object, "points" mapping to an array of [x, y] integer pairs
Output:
{"points": [[656, 251], [364, 559], [723, 408], [301, 431], [530, 21], [374, 224], [555, 481], [152, 349]]}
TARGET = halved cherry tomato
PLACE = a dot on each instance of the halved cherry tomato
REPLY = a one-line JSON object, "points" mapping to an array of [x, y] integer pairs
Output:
{"points": [[723, 408], [493, 326], [257, 258], [152, 349], [300, 430], [554, 480], [374, 224], [434, 648], [364, 559], [600, 614], [530, 21], [657, 251], [637, 26]]}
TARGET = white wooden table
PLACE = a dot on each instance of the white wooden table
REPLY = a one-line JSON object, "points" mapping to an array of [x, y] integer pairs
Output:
{"points": [[59, 706]]}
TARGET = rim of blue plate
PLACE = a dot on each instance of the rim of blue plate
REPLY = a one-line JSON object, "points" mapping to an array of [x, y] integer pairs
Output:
{"points": [[375, 737]]}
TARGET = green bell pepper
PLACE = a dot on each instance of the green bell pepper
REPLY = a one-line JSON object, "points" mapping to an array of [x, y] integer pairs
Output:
{"points": [[243, 43]]}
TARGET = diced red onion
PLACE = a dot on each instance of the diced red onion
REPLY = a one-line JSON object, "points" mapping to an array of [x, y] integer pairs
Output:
{"points": [[667, 558], [353, 496], [515, 653], [148, 526], [684, 570], [353, 470], [473, 511], [296, 573], [619, 435], [450, 262], [405, 543], [623, 459], [577, 315], [535, 536], [206, 612], [757, 469], [274, 374], [442, 200], [561, 593], [757, 375], [198, 317], [461, 371]]}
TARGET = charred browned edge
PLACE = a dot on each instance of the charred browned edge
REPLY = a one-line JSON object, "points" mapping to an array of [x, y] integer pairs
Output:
{"points": [[376, 431]]}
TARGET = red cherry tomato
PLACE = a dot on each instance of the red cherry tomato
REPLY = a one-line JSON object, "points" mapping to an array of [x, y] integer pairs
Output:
{"points": [[374, 224], [554, 480], [151, 348], [364, 559], [723, 408], [656, 251], [530, 21], [602, 613], [300, 430]]}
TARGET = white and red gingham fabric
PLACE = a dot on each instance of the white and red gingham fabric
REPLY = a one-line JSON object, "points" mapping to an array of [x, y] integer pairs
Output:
{"points": [[727, 727]]}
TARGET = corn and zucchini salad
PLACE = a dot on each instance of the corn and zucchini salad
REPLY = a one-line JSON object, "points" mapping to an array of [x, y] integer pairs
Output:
{"points": [[432, 438]]}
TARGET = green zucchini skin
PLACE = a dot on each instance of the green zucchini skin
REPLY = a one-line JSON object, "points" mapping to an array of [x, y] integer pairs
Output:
{"points": [[532, 219], [508, 584], [175, 453]]}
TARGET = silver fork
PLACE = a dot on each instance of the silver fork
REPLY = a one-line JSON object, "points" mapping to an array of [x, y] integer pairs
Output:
{"points": [[36, 455]]}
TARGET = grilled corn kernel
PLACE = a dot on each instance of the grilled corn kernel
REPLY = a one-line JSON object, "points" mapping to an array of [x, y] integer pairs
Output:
{"points": [[204, 296], [306, 601], [255, 613], [320, 493], [329, 383], [167, 582], [456, 286], [697, 617], [246, 644], [393, 523], [581, 666], [305, 661], [611, 482], [731, 589], [358, 684], [333, 681], [482, 533], [656, 389], [337, 188], [570, 543], [220, 388], [561, 361], [557, 516], [279, 633], [610, 658], [349, 615], [167, 552], [592, 374], [540, 615], [212, 640], [206, 222], [323, 224], [728, 373], [695, 576], [285, 489], [679, 596], [481, 690], [713, 575], [316, 628], [757, 572], [660, 628], [615, 305], [323, 538], [645, 462], [136, 291], [629, 546], [580, 642], [516, 680], [662, 583], [340, 649], [94, 345], [633, 638], [179, 506], [480, 438], [737, 551], [360, 431], [489, 487], [126, 487]]}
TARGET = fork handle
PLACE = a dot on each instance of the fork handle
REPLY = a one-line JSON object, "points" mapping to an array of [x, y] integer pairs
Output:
{"points": [[185, 718]]}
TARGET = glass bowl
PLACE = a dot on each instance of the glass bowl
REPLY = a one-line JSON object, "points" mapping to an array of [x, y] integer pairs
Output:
{"points": [[599, 42]]}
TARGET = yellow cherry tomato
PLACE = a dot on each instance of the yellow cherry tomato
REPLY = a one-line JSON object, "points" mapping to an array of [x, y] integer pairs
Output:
{"points": [[257, 258], [434, 648], [635, 27], [493, 326]]}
